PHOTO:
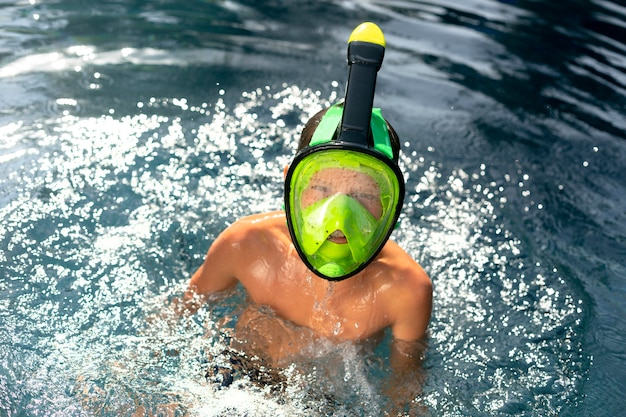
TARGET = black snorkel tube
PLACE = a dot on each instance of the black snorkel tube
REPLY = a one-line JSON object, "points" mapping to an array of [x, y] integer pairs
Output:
{"points": [[366, 50]]}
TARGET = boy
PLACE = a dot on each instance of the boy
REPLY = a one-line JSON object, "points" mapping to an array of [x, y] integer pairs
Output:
{"points": [[393, 290], [324, 267]]}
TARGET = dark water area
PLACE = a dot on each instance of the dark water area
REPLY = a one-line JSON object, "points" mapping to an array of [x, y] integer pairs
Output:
{"points": [[132, 133]]}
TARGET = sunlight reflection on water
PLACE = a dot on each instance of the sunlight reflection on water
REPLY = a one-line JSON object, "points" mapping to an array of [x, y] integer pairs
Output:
{"points": [[113, 213], [498, 316], [109, 198]]}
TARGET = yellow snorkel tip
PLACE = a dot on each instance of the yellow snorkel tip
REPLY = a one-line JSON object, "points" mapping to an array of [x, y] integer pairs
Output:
{"points": [[368, 32]]}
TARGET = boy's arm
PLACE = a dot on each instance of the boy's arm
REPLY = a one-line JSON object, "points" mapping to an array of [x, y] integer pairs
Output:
{"points": [[412, 310], [218, 271], [412, 306], [407, 377]]}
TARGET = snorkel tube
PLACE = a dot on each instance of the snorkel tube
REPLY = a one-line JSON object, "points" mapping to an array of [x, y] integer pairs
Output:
{"points": [[351, 136], [366, 50]]}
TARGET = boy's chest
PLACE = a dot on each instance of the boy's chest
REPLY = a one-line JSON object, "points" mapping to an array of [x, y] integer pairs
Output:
{"points": [[344, 310]]}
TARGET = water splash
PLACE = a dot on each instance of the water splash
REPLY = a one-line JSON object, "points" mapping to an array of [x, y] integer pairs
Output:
{"points": [[501, 318], [113, 213], [109, 217]]}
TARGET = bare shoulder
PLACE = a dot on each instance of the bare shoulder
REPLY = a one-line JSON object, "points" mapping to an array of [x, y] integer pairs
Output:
{"points": [[259, 236], [229, 257], [254, 226], [402, 269]]}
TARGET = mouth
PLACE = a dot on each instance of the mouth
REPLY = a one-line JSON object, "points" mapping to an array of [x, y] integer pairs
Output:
{"points": [[338, 237]]}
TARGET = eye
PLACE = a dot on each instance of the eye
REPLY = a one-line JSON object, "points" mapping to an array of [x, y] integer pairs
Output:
{"points": [[320, 188], [364, 196]]}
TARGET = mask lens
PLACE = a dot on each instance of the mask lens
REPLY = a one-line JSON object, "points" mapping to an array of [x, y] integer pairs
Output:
{"points": [[342, 207]]}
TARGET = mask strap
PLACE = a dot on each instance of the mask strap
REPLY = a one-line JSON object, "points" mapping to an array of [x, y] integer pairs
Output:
{"points": [[327, 129], [380, 133]]}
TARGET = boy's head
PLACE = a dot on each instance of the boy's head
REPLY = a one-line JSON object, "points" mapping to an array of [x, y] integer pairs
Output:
{"points": [[342, 199], [344, 190]]}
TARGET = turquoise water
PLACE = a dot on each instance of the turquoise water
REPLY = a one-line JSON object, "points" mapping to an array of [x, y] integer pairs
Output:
{"points": [[132, 133]]}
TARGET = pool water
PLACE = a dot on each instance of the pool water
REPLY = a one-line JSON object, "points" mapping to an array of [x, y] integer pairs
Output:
{"points": [[132, 133]]}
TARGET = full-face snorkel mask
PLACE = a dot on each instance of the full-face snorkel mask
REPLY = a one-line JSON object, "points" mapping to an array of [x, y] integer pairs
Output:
{"points": [[344, 192]]}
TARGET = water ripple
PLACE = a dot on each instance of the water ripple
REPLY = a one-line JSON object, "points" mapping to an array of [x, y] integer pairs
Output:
{"points": [[127, 146]]}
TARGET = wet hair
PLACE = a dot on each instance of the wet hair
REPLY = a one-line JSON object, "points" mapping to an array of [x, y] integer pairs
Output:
{"points": [[311, 125]]}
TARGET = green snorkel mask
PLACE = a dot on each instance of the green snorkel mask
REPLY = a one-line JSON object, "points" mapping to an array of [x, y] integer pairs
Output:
{"points": [[344, 192]]}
